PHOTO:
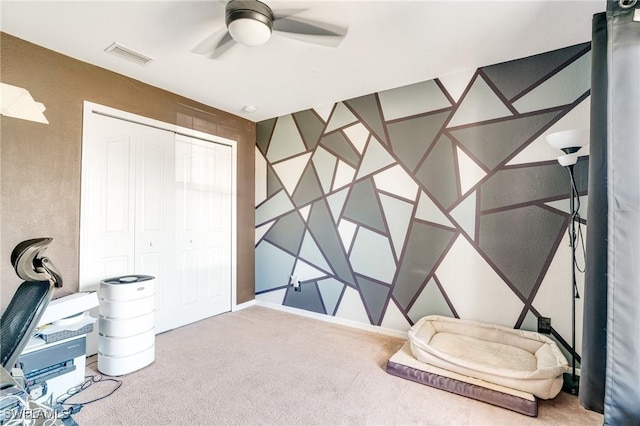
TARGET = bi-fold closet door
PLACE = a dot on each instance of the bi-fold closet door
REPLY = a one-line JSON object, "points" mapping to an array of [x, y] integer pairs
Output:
{"points": [[202, 229], [157, 203]]}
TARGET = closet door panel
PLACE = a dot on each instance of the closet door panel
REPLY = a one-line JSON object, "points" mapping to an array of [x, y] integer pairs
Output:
{"points": [[152, 170], [220, 230], [205, 290], [114, 212], [118, 180], [108, 200], [155, 217]]}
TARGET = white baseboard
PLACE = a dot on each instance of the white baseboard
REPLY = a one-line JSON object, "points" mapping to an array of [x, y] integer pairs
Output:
{"points": [[242, 306], [334, 320]]}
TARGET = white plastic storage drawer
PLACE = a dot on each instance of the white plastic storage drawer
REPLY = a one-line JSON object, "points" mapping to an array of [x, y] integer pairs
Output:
{"points": [[127, 288], [117, 366], [126, 327], [122, 346], [126, 309], [116, 327]]}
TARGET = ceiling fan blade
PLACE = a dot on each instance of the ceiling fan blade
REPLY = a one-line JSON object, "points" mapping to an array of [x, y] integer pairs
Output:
{"points": [[310, 31], [220, 40], [225, 44], [286, 13]]}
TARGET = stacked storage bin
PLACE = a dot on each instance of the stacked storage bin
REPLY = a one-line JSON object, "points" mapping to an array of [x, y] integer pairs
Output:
{"points": [[126, 327]]}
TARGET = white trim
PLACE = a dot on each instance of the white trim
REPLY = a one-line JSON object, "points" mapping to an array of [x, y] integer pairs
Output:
{"points": [[90, 108], [334, 320], [242, 306], [234, 223]]}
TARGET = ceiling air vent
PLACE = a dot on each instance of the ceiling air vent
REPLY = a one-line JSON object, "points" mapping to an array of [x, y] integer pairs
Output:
{"points": [[129, 54]]}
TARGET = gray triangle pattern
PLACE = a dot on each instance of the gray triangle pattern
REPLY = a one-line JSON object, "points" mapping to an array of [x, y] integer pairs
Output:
{"points": [[425, 148]]}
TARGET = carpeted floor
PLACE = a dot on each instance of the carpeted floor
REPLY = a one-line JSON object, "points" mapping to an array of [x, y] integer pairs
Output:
{"points": [[262, 366]]}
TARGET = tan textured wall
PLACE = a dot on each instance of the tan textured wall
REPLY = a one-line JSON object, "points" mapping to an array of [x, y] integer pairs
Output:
{"points": [[40, 164]]}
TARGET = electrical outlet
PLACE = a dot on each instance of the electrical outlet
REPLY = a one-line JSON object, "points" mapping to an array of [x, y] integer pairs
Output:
{"points": [[544, 325], [295, 282]]}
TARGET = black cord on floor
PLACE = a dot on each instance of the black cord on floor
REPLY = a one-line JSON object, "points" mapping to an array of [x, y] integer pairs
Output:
{"points": [[89, 381]]}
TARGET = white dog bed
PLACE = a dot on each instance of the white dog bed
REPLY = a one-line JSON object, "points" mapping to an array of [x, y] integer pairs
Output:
{"points": [[518, 359], [495, 364]]}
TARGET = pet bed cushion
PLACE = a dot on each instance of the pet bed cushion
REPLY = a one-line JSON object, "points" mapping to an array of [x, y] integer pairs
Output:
{"points": [[517, 359], [403, 364]]}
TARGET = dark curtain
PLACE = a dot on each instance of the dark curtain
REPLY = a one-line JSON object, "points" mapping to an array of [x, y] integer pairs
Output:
{"points": [[616, 120], [594, 335], [622, 387]]}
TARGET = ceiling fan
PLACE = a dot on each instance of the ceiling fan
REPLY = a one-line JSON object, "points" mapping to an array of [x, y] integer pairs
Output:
{"points": [[251, 22]]}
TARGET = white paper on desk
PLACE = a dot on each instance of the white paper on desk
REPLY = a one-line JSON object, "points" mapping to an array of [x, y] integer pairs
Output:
{"points": [[56, 328]]}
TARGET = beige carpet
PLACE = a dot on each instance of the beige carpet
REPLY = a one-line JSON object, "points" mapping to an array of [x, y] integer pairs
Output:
{"points": [[261, 366]]}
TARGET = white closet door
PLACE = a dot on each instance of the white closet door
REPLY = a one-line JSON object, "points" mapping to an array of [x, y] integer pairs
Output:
{"points": [[128, 213], [154, 252], [203, 233], [108, 195], [158, 204]]}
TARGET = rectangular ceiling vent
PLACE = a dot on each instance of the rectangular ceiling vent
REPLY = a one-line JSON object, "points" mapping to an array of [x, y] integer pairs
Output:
{"points": [[129, 54]]}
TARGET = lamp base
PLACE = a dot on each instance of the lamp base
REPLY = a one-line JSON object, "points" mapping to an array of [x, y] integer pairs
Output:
{"points": [[571, 384]]}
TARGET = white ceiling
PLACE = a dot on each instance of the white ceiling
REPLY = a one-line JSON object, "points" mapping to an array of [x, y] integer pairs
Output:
{"points": [[389, 44]]}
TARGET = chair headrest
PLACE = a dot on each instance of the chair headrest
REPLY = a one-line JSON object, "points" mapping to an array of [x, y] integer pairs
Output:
{"points": [[31, 265]]}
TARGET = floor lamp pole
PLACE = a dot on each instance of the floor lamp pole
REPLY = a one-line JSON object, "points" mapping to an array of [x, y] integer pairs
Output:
{"points": [[570, 142], [572, 381]]}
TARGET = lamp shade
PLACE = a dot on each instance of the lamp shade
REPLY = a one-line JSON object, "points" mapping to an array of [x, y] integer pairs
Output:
{"points": [[568, 159], [249, 32], [569, 140]]}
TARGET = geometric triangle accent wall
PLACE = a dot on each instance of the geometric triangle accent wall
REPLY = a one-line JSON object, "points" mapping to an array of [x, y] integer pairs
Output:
{"points": [[406, 203]]}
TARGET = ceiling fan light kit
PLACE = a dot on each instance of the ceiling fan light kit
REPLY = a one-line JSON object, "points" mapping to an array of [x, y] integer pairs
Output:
{"points": [[249, 22]]}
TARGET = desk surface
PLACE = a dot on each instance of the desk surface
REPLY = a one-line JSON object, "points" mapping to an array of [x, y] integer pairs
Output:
{"points": [[11, 390]]}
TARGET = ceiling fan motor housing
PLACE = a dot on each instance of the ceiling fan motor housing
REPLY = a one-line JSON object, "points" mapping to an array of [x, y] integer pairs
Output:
{"points": [[252, 12]]}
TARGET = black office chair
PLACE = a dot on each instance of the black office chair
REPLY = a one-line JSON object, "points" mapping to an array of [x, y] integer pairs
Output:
{"points": [[30, 300]]}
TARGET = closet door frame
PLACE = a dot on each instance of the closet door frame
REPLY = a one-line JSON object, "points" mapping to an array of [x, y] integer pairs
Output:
{"points": [[90, 108]]}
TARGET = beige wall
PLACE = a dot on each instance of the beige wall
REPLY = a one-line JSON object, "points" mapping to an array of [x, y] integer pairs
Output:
{"points": [[41, 164]]}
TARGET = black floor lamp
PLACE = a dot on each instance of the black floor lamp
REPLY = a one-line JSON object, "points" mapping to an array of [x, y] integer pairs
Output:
{"points": [[570, 142]]}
